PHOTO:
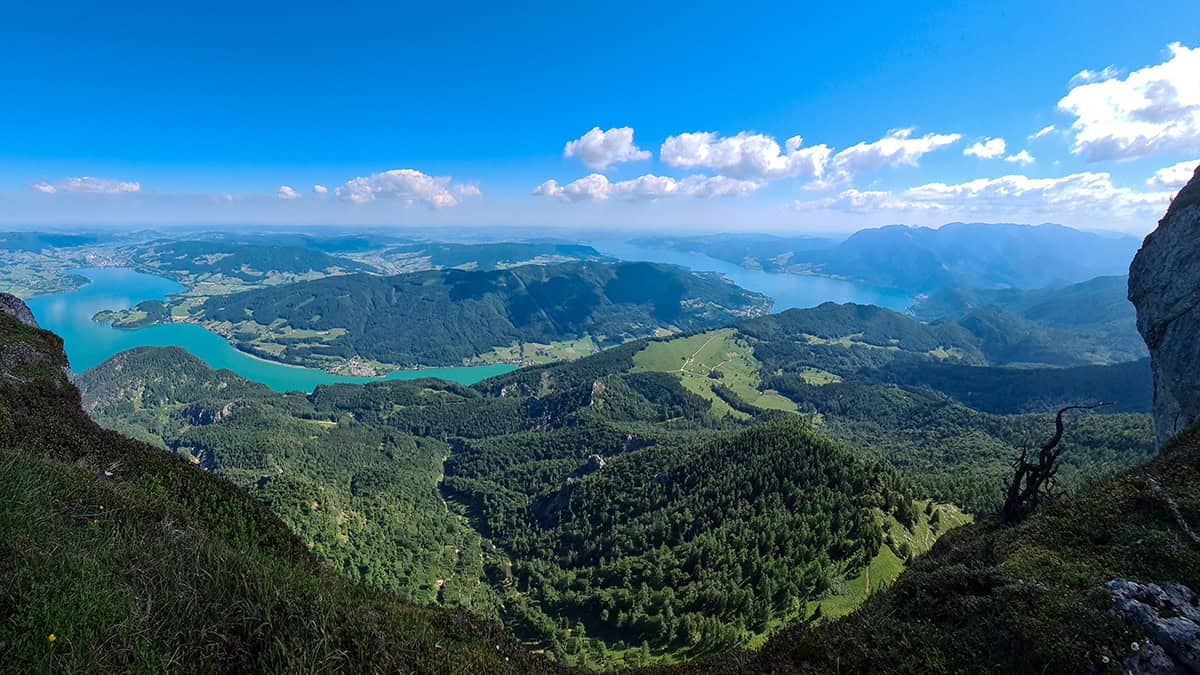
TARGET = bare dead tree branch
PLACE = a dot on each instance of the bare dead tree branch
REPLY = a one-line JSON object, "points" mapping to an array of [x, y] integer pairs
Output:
{"points": [[1031, 479]]}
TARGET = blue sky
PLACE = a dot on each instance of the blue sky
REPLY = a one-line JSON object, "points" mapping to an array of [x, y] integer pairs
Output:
{"points": [[144, 114]]}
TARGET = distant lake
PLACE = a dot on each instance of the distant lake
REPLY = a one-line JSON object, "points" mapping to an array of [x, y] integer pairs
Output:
{"points": [[88, 343], [789, 291]]}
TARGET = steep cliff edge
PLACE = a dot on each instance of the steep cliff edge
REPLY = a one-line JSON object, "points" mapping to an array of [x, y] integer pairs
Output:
{"points": [[14, 307], [1164, 286]]}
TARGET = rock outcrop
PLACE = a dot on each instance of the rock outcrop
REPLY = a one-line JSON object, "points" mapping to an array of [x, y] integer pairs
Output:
{"points": [[1169, 615], [1164, 286], [16, 308], [205, 413], [27, 355]]}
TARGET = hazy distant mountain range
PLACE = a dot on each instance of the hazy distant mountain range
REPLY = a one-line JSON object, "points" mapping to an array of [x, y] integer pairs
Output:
{"points": [[922, 259]]}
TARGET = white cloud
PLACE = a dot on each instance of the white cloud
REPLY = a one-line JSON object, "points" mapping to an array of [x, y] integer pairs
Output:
{"points": [[89, 185], [897, 148], [990, 148], [599, 150], [1018, 197], [744, 156], [1086, 76], [1151, 111], [99, 186], [1173, 177], [592, 186], [1042, 132], [597, 187], [408, 185], [320, 189], [1023, 158], [869, 200], [286, 192], [469, 190]]}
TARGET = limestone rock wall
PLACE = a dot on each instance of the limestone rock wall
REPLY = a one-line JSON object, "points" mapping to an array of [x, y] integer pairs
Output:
{"points": [[1164, 286]]}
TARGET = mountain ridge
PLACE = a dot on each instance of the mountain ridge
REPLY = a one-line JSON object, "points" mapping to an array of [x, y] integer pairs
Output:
{"points": [[449, 316]]}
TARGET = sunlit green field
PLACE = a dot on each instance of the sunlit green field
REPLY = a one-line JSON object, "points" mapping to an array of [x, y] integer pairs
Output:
{"points": [[527, 353], [707, 359]]}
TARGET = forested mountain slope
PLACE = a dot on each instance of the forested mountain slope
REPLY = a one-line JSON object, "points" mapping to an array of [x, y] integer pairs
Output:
{"points": [[1031, 598], [1048, 333], [119, 557], [610, 488], [893, 388], [445, 317], [1088, 322]]}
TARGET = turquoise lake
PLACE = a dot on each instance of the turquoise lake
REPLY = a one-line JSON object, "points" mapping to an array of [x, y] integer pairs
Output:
{"points": [[88, 343]]}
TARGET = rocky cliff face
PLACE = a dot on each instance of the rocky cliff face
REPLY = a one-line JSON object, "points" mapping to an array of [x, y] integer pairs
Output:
{"points": [[27, 353], [14, 307], [1164, 286]]}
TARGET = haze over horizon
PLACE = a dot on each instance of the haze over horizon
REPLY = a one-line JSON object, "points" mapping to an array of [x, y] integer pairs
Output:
{"points": [[133, 116]]}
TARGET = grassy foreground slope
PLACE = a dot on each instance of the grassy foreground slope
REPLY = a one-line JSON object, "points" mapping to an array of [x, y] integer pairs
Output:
{"points": [[116, 556]]}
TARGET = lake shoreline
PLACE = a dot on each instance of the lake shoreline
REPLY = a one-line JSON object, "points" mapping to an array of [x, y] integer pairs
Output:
{"points": [[88, 343]]}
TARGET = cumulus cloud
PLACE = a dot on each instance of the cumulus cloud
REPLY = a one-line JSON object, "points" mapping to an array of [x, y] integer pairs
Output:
{"points": [[1014, 196], [597, 187], [407, 185], [89, 185], [989, 148], [599, 150], [320, 189], [1023, 158], [898, 148], [746, 156], [1173, 177], [1151, 111], [1042, 132], [286, 192]]}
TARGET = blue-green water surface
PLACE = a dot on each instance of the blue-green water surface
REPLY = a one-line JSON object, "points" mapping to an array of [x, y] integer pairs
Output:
{"points": [[89, 343]]}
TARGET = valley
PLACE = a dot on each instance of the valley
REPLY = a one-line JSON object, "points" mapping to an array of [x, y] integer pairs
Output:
{"points": [[672, 473], [564, 499]]}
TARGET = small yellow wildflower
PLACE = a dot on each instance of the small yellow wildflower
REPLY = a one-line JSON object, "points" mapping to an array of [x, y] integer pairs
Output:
{"points": [[101, 507], [52, 637]]}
